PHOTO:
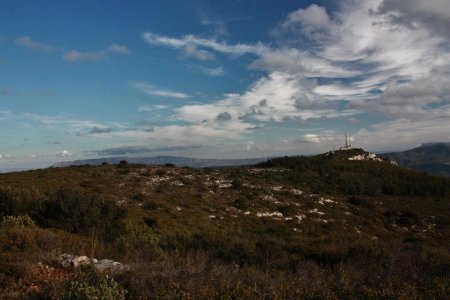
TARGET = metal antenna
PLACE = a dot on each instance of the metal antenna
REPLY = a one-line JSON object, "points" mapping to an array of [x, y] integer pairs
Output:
{"points": [[348, 143]]}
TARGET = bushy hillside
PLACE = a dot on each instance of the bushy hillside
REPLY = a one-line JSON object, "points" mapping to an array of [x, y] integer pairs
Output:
{"points": [[319, 227]]}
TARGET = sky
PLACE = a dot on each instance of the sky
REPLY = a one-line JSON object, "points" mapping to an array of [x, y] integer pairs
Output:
{"points": [[220, 78]]}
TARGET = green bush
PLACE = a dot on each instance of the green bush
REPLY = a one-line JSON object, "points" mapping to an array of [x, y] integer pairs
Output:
{"points": [[17, 221], [82, 212], [108, 289]]}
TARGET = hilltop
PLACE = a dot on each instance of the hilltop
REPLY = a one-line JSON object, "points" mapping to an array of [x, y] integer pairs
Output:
{"points": [[289, 227]]}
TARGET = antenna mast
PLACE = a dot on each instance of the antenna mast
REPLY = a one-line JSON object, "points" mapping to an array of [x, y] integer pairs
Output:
{"points": [[348, 143]]}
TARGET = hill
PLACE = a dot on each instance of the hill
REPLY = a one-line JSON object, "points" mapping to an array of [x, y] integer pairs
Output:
{"points": [[322, 227], [430, 157], [162, 160]]}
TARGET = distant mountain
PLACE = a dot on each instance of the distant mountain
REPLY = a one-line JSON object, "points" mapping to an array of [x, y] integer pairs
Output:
{"points": [[162, 160], [429, 157]]}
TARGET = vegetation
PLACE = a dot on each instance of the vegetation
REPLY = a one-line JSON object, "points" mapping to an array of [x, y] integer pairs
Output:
{"points": [[291, 228]]}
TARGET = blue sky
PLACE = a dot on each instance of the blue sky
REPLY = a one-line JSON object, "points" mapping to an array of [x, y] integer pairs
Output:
{"points": [[219, 79]]}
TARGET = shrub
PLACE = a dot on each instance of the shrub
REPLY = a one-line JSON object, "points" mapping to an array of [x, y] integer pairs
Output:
{"points": [[82, 212], [409, 218], [243, 203], [17, 221], [139, 196], [108, 289], [236, 184]]}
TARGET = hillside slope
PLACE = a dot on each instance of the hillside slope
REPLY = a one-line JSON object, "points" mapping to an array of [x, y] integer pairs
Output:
{"points": [[288, 228], [430, 157]]}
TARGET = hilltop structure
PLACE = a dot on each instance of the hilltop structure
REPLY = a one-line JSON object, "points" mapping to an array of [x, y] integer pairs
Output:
{"points": [[348, 143]]}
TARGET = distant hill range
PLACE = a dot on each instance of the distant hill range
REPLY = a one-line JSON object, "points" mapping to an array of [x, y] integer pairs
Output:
{"points": [[429, 157], [162, 160]]}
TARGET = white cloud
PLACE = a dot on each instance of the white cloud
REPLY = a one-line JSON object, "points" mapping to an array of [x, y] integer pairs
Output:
{"points": [[119, 49], [174, 135], [213, 72], [65, 153], [275, 98], [296, 61], [378, 65], [63, 123], [143, 108], [309, 21], [382, 64], [311, 138], [239, 49], [191, 50], [415, 99], [152, 90], [402, 134], [434, 14], [27, 42], [76, 56]]}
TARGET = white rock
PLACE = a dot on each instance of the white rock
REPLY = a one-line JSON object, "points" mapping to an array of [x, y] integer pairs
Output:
{"points": [[73, 261], [296, 192], [268, 214], [316, 211], [109, 265], [300, 217]]}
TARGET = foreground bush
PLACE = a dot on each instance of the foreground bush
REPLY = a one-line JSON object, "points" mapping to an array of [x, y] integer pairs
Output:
{"points": [[82, 212], [19, 221], [107, 289]]}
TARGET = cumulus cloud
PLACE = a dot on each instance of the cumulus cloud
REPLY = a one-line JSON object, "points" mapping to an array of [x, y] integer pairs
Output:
{"points": [[152, 90], [77, 56], [374, 57], [310, 21], [386, 64], [275, 98], [119, 49], [434, 14], [224, 116], [27, 42]]}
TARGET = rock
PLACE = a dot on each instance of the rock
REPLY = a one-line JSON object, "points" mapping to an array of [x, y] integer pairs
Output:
{"points": [[73, 261], [366, 156], [109, 265]]}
